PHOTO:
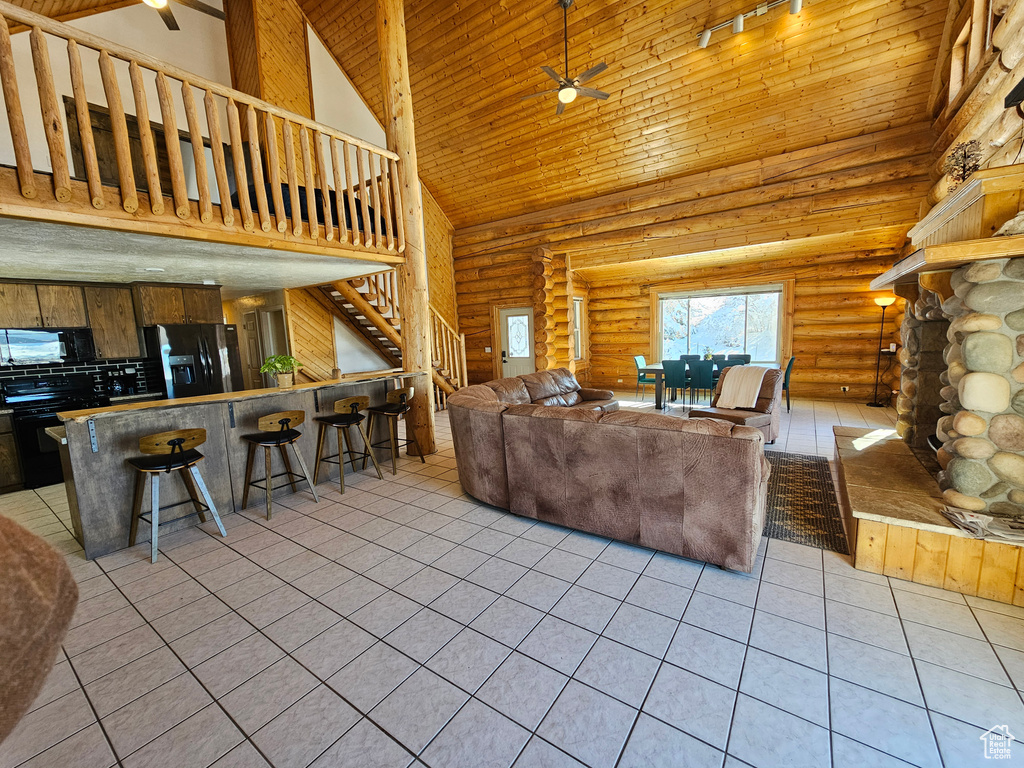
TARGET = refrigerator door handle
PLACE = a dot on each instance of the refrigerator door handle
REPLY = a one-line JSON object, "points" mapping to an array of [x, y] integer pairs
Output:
{"points": [[204, 358]]}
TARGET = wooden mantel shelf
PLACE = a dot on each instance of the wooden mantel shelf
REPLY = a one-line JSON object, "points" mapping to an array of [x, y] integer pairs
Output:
{"points": [[934, 258]]}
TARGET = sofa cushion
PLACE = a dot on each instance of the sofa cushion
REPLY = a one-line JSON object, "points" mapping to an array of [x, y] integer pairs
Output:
{"points": [[478, 392], [735, 415], [560, 413], [767, 396], [511, 390], [607, 406], [557, 387], [587, 393]]}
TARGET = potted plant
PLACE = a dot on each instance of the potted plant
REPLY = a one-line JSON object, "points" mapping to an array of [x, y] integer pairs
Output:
{"points": [[283, 367]]}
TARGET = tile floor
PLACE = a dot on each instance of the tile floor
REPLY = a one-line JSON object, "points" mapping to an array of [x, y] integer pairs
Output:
{"points": [[403, 624]]}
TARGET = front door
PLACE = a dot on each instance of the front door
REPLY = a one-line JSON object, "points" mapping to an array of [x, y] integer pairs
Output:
{"points": [[516, 324]]}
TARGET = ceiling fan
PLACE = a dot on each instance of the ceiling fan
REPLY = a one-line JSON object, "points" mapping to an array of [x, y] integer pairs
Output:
{"points": [[567, 89], [167, 15]]}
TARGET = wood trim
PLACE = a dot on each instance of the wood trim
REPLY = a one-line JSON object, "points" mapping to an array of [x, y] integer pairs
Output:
{"points": [[989, 569], [786, 310]]}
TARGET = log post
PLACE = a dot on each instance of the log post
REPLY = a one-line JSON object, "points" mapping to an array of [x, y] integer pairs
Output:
{"points": [[401, 136]]}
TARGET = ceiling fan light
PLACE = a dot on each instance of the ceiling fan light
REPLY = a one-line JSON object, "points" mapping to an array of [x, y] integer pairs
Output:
{"points": [[705, 39], [795, 6], [156, 3], [567, 95], [737, 24]]}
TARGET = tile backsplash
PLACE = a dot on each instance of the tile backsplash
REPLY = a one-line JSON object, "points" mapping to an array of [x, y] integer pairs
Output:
{"points": [[150, 378]]}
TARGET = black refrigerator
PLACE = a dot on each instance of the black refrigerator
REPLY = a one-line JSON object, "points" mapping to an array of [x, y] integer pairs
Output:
{"points": [[196, 359]]}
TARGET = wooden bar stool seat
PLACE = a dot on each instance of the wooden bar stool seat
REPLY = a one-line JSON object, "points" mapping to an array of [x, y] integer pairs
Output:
{"points": [[275, 431], [347, 414], [397, 405], [168, 452]]}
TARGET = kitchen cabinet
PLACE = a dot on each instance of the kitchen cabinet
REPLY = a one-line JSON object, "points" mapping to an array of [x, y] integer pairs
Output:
{"points": [[202, 305], [10, 468], [62, 306], [158, 304], [112, 318], [19, 306]]}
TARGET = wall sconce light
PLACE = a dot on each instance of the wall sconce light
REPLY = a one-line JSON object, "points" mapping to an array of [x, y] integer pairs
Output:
{"points": [[737, 22]]}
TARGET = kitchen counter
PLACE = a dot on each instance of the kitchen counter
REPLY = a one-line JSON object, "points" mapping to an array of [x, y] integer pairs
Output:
{"points": [[100, 441]]}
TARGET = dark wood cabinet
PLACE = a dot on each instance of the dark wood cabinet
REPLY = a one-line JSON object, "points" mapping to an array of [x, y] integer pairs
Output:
{"points": [[159, 305], [202, 305], [62, 306], [19, 306], [10, 467], [112, 319]]}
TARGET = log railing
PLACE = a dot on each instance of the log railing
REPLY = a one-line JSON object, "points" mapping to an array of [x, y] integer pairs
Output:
{"points": [[262, 154], [379, 304]]}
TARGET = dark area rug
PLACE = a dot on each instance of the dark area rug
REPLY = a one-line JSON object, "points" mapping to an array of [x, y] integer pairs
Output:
{"points": [[802, 504]]}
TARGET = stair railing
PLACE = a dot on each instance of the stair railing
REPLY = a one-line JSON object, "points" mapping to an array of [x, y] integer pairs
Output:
{"points": [[290, 157]]}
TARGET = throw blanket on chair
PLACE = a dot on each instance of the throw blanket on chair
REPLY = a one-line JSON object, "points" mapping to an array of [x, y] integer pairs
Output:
{"points": [[741, 386]]}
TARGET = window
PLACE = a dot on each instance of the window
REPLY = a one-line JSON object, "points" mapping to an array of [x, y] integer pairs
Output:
{"points": [[729, 322], [577, 327]]}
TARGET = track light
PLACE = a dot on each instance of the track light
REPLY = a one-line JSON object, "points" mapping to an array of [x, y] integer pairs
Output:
{"points": [[738, 21]]}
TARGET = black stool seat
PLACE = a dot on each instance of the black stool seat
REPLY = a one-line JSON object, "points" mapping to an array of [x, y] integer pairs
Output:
{"points": [[393, 409], [280, 437], [166, 462], [341, 419]]}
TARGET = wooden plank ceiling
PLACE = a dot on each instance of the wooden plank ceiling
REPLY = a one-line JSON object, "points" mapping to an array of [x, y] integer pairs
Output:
{"points": [[838, 69]]}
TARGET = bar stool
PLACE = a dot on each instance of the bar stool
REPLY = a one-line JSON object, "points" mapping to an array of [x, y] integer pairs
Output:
{"points": [[170, 452], [275, 431], [396, 407], [346, 413]]}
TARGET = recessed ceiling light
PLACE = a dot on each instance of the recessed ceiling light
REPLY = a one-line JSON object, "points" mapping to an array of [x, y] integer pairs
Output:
{"points": [[154, 269]]}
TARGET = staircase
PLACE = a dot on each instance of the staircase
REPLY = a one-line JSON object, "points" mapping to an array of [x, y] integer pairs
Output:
{"points": [[369, 305]]}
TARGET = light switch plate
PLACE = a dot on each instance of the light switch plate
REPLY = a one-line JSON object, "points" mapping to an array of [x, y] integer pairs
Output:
{"points": [[487, 349]]}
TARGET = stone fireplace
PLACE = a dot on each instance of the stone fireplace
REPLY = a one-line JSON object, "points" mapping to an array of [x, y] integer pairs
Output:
{"points": [[982, 432], [962, 378]]}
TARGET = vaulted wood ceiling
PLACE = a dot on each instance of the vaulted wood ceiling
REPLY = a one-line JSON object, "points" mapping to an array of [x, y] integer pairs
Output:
{"points": [[838, 69]]}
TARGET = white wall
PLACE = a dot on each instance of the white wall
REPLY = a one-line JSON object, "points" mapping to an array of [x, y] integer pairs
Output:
{"points": [[336, 102], [353, 353], [199, 47]]}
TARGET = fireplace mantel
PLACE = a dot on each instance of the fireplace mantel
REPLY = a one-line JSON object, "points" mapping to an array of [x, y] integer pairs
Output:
{"points": [[960, 229]]}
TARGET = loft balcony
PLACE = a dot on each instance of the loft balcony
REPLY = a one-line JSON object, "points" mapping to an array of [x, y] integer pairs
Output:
{"points": [[106, 138]]}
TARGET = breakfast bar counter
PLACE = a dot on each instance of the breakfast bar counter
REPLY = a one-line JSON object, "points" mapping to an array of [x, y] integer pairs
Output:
{"points": [[99, 441]]}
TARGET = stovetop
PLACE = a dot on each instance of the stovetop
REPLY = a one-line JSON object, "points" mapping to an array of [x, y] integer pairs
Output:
{"points": [[53, 393]]}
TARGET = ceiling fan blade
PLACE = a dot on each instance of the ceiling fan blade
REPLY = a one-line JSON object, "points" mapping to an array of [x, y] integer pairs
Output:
{"points": [[592, 93], [198, 5], [590, 73], [553, 75], [168, 16], [561, 108], [539, 93]]}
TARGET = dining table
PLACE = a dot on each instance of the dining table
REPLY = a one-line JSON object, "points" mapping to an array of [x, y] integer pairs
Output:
{"points": [[657, 370]]}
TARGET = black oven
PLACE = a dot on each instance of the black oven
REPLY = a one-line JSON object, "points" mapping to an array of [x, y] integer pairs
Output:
{"points": [[35, 403]]}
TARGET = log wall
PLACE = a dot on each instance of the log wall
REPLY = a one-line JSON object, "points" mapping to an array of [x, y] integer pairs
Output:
{"points": [[835, 321], [440, 273], [311, 334]]}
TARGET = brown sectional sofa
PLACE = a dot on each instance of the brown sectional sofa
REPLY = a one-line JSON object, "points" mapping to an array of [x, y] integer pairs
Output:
{"points": [[691, 487]]}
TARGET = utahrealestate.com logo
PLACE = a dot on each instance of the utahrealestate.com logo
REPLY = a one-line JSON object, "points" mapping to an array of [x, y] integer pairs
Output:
{"points": [[998, 741]]}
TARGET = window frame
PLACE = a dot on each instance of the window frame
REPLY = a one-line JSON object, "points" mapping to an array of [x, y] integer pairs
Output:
{"points": [[579, 318], [726, 287]]}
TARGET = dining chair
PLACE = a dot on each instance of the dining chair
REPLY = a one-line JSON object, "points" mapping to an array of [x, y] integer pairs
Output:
{"points": [[785, 380], [744, 359], [701, 376], [675, 376], [642, 380]]}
